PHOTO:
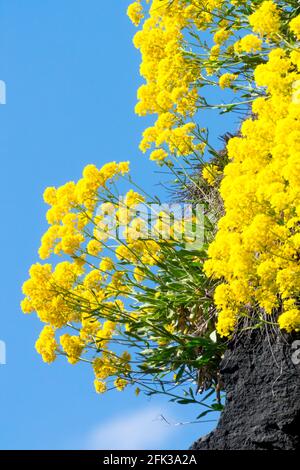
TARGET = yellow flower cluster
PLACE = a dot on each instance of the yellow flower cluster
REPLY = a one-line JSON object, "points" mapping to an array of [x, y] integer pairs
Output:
{"points": [[211, 173], [107, 366], [249, 43], [46, 345], [295, 26], [135, 12], [65, 233], [72, 346], [64, 297], [44, 292], [76, 294], [266, 19], [226, 80], [173, 71], [256, 250], [169, 91]]}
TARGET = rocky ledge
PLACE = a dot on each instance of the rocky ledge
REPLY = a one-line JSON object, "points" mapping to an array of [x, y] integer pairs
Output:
{"points": [[261, 376]]}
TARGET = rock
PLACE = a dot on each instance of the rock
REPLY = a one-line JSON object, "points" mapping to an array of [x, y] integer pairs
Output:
{"points": [[262, 384]]}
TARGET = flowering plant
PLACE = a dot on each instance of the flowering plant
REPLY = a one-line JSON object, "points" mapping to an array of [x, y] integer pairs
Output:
{"points": [[139, 306]]}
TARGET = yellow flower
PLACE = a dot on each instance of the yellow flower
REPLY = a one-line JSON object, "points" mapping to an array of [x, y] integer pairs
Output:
{"points": [[133, 198], [250, 43], [92, 174], [265, 20], [109, 170], [72, 346], [226, 80], [70, 244], [257, 243], [120, 384], [295, 26], [215, 51], [290, 320], [26, 306], [210, 173], [221, 36], [100, 386], [94, 247], [93, 280], [226, 322], [123, 167], [50, 196], [139, 274], [158, 155], [46, 345], [106, 264], [135, 12]]}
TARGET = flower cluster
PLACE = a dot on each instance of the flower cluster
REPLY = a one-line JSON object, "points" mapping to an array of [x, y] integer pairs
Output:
{"points": [[256, 250], [265, 20], [170, 90], [174, 71], [82, 299], [211, 173], [135, 12], [70, 294]]}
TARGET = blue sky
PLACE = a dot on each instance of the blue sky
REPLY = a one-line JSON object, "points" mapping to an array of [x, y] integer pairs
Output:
{"points": [[71, 74]]}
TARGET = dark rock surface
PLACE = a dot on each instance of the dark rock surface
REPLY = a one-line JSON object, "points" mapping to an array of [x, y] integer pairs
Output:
{"points": [[262, 383]]}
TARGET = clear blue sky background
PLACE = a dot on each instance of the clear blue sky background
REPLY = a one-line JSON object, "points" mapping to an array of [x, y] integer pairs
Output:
{"points": [[71, 74]]}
